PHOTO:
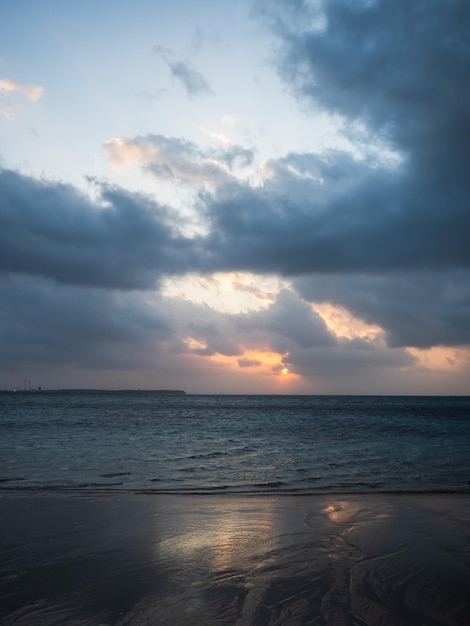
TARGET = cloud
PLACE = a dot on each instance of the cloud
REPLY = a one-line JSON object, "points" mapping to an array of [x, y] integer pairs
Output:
{"points": [[331, 213], [104, 337], [414, 309], [192, 80], [88, 327], [185, 73], [355, 366], [249, 363], [33, 92], [399, 69], [172, 158], [289, 334], [388, 242], [229, 120], [52, 230], [286, 322]]}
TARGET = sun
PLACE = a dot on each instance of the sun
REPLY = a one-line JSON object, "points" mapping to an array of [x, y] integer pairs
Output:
{"points": [[284, 371]]}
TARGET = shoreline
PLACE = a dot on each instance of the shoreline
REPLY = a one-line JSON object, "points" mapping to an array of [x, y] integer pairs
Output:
{"points": [[230, 559], [87, 391], [97, 491]]}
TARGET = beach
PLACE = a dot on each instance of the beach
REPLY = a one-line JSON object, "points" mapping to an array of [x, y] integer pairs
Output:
{"points": [[377, 559]]}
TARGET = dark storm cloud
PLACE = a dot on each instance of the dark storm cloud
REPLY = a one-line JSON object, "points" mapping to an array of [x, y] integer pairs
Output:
{"points": [[352, 364], [52, 230], [396, 66], [341, 219], [84, 326], [290, 327], [401, 70], [92, 334], [419, 310], [398, 231], [389, 243], [286, 322]]}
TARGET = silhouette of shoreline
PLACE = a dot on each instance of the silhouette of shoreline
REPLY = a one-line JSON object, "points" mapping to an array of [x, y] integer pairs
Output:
{"points": [[156, 392]]}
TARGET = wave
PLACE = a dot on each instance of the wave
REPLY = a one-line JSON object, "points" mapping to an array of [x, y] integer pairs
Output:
{"points": [[257, 489], [115, 474], [206, 455]]}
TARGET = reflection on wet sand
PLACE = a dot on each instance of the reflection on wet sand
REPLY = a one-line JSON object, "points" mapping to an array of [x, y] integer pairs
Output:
{"points": [[218, 557], [215, 561], [342, 510], [414, 568], [386, 561], [224, 537]]}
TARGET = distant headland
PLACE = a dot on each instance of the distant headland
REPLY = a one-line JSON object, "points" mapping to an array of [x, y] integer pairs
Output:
{"points": [[152, 392]]}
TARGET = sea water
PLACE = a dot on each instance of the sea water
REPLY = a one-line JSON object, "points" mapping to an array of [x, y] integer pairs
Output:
{"points": [[233, 444]]}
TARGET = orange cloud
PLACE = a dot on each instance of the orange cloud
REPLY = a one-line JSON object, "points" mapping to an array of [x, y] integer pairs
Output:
{"points": [[343, 324], [442, 358], [33, 92], [257, 362]]}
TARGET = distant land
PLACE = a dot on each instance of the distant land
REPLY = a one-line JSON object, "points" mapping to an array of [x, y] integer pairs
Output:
{"points": [[155, 392]]}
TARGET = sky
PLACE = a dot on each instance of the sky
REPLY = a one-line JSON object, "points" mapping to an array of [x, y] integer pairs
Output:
{"points": [[245, 196]]}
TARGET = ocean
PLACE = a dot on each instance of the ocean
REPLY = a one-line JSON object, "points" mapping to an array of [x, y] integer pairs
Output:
{"points": [[233, 444]]}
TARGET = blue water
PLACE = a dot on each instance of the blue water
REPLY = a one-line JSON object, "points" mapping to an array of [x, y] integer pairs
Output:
{"points": [[234, 444]]}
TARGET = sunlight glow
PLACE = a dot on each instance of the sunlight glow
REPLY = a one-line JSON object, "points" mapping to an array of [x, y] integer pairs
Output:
{"points": [[195, 344], [342, 510], [226, 292], [258, 362], [344, 324], [442, 358]]}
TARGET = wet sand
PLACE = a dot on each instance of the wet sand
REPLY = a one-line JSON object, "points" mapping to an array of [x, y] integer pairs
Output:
{"points": [[225, 560]]}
